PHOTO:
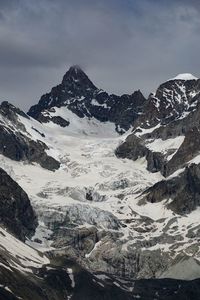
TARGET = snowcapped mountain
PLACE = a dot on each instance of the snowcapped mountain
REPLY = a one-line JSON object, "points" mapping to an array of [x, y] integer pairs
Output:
{"points": [[104, 211], [174, 99], [77, 94], [167, 133]]}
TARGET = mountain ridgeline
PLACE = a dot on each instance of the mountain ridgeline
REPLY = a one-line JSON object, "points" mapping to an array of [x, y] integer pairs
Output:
{"points": [[99, 193], [78, 94]]}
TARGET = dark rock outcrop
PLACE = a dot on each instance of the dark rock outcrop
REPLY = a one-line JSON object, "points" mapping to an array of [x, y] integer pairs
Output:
{"points": [[62, 279], [55, 282], [16, 212], [187, 151], [175, 108], [10, 111], [60, 121], [183, 191], [18, 147], [15, 142], [134, 148], [171, 101], [83, 240]]}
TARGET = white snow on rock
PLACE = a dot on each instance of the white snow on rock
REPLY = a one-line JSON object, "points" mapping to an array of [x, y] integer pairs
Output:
{"points": [[95, 248], [142, 131], [71, 275], [21, 256], [184, 76], [95, 103], [81, 126], [163, 146]]}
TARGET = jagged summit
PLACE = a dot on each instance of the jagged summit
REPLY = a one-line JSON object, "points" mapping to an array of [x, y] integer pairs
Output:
{"points": [[75, 69], [76, 77], [78, 94], [174, 99], [184, 76]]}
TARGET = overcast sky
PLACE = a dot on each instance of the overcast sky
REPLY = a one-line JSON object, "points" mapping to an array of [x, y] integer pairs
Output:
{"points": [[122, 45]]}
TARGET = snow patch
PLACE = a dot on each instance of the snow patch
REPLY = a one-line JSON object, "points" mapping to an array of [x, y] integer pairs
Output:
{"points": [[164, 146], [184, 76], [71, 275]]}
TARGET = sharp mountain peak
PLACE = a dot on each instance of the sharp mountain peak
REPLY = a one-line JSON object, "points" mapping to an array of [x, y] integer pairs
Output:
{"points": [[75, 75]]}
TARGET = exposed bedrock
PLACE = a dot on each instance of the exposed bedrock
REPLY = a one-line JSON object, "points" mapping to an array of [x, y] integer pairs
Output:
{"points": [[15, 142], [134, 148], [16, 212], [183, 191]]}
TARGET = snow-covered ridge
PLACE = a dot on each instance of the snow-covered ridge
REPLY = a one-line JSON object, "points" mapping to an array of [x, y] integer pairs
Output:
{"points": [[184, 76]]}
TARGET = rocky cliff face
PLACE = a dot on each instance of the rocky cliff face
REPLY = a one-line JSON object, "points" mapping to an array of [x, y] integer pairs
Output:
{"points": [[56, 278], [17, 144], [173, 99], [182, 191], [170, 114], [79, 95], [134, 148], [16, 212]]}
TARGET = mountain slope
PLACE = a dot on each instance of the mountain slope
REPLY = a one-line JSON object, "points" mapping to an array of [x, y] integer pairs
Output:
{"points": [[124, 207], [167, 133], [18, 144], [91, 207]]}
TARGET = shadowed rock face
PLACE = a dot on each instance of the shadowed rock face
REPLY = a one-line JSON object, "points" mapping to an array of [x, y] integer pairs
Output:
{"points": [[16, 145], [64, 279], [16, 212], [10, 111], [183, 191], [175, 108], [134, 148], [79, 95], [61, 280], [55, 284], [179, 126], [187, 151]]}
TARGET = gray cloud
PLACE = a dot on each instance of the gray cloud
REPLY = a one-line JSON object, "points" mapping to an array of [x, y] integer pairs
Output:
{"points": [[123, 45]]}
